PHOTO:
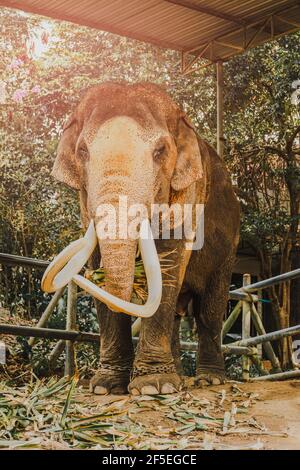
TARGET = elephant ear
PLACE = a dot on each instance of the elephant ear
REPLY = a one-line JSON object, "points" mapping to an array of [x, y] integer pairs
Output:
{"points": [[66, 168], [188, 168]]}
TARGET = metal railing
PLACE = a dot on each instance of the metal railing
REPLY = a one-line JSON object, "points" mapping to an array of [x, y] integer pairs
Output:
{"points": [[247, 346]]}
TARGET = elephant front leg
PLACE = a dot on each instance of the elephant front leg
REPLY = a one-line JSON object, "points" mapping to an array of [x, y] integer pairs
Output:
{"points": [[116, 353], [210, 363], [154, 370]]}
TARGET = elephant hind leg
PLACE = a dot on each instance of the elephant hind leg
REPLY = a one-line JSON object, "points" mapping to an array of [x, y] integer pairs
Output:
{"points": [[209, 312]]}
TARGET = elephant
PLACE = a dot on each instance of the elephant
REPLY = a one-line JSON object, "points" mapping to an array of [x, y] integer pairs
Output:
{"points": [[134, 140]]}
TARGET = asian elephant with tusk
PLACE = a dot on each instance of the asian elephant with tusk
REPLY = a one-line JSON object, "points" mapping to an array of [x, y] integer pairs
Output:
{"points": [[132, 140]]}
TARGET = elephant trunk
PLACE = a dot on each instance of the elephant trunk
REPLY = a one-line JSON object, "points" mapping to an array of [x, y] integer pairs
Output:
{"points": [[118, 258]]}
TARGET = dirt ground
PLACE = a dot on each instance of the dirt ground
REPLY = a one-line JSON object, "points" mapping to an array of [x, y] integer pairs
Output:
{"points": [[261, 415], [276, 408]]}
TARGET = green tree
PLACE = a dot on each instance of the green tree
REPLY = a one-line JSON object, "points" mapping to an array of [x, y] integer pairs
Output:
{"points": [[263, 149]]}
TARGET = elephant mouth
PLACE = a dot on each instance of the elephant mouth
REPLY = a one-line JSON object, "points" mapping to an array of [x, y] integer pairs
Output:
{"points": [[66, 266]]}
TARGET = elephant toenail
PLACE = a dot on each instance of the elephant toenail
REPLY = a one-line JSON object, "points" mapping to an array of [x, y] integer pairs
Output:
{"points": [[168, 388], [203, 383], [118, 391], [98, 390], [216, 381], [149, 390]]}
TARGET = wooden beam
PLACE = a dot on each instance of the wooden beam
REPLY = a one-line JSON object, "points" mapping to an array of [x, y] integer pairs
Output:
{"points": [[272, 27], [182, 61], [199, 67], [188, 68], [230, 45], [228, 56], [243, 30], [258, 32], [294, 23], [207, 11]]}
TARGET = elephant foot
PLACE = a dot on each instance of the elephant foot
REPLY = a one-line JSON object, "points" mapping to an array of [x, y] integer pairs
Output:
{"points": [[107, 381], [204, 378], [154, 384]]}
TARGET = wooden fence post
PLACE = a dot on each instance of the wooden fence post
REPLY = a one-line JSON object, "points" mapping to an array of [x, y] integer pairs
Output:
{"points": [[246, 327], [71, 325]]}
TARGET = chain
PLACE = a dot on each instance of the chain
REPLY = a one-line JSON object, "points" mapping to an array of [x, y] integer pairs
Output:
{"points": [[140, 370], [147, 370], [114, 368]]}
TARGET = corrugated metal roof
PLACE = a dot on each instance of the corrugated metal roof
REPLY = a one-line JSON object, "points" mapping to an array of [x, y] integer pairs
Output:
{"points": [[214, 30]]}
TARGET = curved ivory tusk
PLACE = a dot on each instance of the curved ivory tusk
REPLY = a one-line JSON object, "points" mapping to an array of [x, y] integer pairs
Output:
{"points": [[58, 273], [153, 275]]}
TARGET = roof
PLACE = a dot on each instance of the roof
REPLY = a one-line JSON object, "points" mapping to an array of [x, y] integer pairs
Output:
{"points": [[213, 31]]}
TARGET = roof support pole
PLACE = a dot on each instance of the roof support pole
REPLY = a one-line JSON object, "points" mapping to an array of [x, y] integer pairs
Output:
{"points": [[220, 111]]}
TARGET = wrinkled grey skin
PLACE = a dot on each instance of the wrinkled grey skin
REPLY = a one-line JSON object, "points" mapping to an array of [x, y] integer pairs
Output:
{"points": [[133, 140]]}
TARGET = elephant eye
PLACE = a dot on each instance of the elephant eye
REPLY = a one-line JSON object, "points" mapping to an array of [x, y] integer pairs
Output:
{"points": [[159, 151], [82, 151]]}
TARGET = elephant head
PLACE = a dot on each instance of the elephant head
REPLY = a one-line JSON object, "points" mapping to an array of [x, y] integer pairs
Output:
{"points": [[126, 140]]}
